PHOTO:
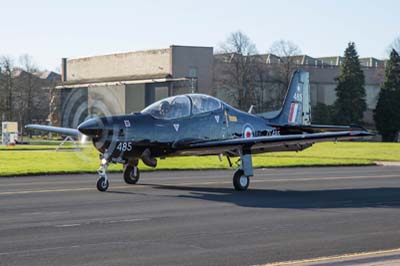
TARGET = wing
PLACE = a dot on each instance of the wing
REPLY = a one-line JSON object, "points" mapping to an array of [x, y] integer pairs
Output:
{"points": [[266, 144], [59, 130], [299, 129]]}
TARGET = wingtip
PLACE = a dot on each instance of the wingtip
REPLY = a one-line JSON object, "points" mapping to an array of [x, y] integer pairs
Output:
{"points": [[361, 133]]}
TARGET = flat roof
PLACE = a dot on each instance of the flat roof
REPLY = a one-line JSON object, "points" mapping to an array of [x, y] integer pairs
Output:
{"points": [[140, 79]]}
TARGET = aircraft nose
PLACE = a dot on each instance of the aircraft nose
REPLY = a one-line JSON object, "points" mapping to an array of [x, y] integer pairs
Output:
{"points": [[91, 127]]}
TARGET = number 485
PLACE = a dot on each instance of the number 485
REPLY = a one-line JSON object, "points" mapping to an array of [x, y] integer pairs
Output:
{"points": [[124, 146]]}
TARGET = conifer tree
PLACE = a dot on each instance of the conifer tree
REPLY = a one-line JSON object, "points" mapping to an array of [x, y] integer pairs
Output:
{"points": [[350, 103], [387, 112]]}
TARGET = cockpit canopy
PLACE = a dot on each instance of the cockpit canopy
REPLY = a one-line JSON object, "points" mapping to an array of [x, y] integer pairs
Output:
{"points": [[182, 106]]}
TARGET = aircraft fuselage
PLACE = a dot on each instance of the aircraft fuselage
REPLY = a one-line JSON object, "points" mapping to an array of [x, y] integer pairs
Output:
{"points": [[127, 136]]}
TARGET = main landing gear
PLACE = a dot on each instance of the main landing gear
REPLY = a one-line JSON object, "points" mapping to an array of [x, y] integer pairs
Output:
{"points": [[241, 180], [131, 173]]}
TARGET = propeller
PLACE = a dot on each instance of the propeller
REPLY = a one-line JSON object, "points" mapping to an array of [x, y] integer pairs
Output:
{"points": [[91, 115]]}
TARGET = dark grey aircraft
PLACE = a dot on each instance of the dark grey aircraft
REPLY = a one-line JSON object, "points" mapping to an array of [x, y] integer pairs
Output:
{"points": [[197, 125]]}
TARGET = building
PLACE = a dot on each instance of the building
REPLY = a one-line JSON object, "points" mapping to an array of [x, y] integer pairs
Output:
{"points": [[127, 82], [269, 89]]}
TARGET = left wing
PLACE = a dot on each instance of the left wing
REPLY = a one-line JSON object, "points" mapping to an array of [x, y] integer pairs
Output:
{"points": [[267, 144], [59, 130]]}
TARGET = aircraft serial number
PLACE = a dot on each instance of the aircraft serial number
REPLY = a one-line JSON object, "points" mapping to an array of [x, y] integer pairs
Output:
{"points": [[124, 146]]}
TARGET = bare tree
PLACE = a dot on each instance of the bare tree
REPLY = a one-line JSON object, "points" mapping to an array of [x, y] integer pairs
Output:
{"points": [[286, 50], [54, 96], [238, 53], [6, 64], [29, 84], [266, 94]]}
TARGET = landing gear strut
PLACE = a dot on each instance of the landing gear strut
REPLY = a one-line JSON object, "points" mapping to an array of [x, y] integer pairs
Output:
{"points": [[131, 173], [102, 183], [241, 180]]}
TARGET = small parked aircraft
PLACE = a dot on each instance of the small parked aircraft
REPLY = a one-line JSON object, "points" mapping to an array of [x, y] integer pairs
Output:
{"points": [[199, 125]]}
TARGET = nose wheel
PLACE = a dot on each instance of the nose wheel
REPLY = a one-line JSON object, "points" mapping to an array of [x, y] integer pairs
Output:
{"points": [[103, 183]]}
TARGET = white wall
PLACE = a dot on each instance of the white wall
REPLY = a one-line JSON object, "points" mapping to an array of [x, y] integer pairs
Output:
{"points": [[149, 62]]}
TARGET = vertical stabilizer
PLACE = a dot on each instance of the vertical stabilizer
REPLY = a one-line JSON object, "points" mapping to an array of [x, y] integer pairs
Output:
{"points": [[296, 109]]}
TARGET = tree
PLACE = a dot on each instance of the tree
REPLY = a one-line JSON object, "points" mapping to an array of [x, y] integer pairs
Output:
{"points": [[387, 112], [239, 52], [323, 114], [6, 64], [29, 83], [286, 50], [350, 103]]}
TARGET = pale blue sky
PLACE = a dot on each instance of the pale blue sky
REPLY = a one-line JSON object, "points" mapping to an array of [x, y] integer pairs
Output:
{"points": [[49, 30]]}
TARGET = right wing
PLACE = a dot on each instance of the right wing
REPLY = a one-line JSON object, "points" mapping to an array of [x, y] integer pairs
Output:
{"points": [[59, 130], [299, 129], [265, 144]]}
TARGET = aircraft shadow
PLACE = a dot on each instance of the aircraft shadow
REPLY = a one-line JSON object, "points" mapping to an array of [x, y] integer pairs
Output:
{"points": [[383, 197]]}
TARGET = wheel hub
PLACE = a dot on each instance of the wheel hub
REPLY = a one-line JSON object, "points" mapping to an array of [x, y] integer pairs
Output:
{"points": [[133, 174], [243, 181]]}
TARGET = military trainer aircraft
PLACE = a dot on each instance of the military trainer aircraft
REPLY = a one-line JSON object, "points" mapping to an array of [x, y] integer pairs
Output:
{"points": [[197, 125]]}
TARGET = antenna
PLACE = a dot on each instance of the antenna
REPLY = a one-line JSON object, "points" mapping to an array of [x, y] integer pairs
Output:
{"points": [[251, 109]]}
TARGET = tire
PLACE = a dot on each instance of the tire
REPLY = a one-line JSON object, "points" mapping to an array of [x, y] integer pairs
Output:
{"points": [[240, 181], [102, 184], [129, 176]]}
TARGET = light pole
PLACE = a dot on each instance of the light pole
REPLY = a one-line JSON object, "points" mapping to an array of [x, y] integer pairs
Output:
{"points": [[193, 84]]}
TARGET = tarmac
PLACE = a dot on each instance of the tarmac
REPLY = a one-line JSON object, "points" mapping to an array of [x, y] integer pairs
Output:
{"points": [[289, 216]]}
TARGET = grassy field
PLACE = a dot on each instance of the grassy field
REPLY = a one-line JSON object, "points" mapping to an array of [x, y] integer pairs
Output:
{"points": [[35, 159], [21, 160]]}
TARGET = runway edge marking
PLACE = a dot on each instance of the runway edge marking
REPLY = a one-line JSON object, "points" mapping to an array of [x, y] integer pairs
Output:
{"points": [[333, 257]]}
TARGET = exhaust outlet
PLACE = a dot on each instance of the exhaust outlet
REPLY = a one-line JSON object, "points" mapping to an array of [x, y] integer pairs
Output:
{"points": [[147, 159]]}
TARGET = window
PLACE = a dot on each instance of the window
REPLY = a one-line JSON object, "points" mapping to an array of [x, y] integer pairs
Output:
{"points": [[161, 92], [192, 72], [169, 108], [203, 103]]}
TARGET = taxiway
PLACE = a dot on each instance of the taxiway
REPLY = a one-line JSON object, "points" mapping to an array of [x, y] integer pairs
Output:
{"points": [[196, 218]]}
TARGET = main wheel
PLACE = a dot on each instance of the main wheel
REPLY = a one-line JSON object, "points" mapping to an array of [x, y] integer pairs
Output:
{"points": [[240, 181], [102, 184], [131, 175]]}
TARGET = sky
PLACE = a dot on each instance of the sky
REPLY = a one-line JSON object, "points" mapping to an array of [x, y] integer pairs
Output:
{"points": [[50, 30]]}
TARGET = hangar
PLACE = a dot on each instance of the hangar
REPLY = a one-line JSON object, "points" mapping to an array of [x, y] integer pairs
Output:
{"points": [[127, 82]]}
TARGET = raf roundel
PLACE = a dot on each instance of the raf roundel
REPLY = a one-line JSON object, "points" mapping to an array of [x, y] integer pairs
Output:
{"points": [[248, 132]]}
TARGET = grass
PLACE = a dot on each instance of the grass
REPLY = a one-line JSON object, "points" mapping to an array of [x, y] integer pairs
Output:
{"points": [[22, 160]]}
